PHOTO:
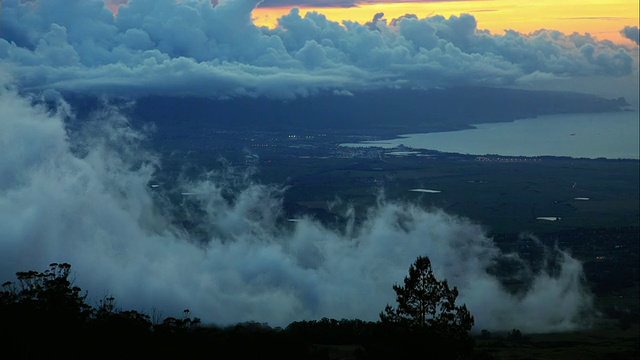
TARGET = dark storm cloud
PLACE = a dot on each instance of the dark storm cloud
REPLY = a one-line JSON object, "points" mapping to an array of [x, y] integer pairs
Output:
{"points": [[632, 33], [192, 47]]}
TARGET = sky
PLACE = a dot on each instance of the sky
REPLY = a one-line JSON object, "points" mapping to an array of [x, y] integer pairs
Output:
{"points": [[84, 197], [601, 18]]}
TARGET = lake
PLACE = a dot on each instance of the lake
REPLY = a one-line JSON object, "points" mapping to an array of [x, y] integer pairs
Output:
{"points": [[600, 135]]}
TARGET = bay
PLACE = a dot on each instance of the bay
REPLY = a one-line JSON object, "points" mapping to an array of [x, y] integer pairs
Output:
{"points": [[592, 135]]}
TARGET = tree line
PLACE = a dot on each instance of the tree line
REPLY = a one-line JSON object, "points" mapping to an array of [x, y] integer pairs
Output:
{"points": [[45, 314]]}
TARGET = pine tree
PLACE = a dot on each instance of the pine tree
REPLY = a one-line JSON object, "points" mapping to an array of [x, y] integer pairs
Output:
{"points": [[424, 302]]}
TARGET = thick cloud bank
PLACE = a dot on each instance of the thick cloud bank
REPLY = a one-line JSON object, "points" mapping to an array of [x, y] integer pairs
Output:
{"points": [[85, 197], [194, 48]]}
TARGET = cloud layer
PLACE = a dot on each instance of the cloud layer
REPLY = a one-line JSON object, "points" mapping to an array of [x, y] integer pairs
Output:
{"points": [[193, 48], [84, 197]]}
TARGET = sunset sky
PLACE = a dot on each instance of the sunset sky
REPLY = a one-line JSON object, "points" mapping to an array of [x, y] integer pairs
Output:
{"points": [[601, 18], [189, 47]]}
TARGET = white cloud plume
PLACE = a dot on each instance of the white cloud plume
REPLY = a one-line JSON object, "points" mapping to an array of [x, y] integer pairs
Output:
{"points": [[83, 197], [194, 48]]}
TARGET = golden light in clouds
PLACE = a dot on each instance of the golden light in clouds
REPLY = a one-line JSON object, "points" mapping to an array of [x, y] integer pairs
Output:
{"points": [[601, 18]]}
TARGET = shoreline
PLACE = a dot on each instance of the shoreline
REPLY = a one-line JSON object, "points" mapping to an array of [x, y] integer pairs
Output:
{"points": [[579, 136]]}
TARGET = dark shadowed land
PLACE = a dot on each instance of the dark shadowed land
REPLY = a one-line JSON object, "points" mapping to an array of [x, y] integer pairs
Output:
{"points": [[296, 143], [375, 113], [606, 341]]}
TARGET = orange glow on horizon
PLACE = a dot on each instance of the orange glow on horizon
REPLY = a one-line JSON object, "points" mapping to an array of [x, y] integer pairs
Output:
{"points": [[602, 19]]}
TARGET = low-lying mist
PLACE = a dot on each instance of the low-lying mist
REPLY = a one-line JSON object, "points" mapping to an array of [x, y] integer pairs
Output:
{"points": [[84, 196]]}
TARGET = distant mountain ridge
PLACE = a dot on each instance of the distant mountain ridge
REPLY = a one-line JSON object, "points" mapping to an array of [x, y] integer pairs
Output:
{"points": [[379, 112]]}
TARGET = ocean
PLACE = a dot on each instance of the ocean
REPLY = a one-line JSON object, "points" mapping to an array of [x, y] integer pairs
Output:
{"points": [[593, 135]]}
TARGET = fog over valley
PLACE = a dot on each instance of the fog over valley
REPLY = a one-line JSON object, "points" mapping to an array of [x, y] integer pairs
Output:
{"points": [[87, 201]]}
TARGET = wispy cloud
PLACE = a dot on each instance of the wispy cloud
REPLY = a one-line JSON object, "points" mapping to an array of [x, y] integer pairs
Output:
{"points": [[605, 18]]}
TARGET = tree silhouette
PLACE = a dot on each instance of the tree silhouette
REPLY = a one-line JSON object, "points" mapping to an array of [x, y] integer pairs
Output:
{"points": [[48, 296], [426, 303], [41, 307], [45, 307]]}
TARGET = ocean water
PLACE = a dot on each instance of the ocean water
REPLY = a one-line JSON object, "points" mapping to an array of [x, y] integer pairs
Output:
{"points": [[602, 135]]}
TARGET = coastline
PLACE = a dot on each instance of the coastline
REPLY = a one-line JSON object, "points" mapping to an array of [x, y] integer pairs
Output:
{"points": [[607, 135]]}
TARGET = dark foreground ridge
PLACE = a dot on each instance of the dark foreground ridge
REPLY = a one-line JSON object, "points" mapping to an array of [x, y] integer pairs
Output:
{"points": [[45, 309], [43, 314]]}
